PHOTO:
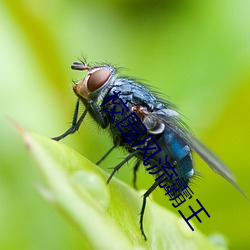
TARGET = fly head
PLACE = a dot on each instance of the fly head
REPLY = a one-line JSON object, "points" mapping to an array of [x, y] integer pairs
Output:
{"points": [[96, 79]]}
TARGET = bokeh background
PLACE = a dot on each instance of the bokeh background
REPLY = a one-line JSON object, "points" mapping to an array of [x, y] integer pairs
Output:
{"points": [[195, 52]]}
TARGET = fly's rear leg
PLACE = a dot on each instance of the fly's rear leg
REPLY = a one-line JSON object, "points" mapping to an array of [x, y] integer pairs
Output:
{"points": [[135, 169], [145, 196], [75, 123]]}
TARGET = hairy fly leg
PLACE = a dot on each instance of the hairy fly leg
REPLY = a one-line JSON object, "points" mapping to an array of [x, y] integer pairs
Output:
{"points": [[75, 124], [103, 158], [145, 196], [97, 113], [93, 109], [116, 168], [135, 169]]}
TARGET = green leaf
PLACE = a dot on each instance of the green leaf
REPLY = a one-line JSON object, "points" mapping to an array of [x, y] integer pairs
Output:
{"points": [[106, 216]]}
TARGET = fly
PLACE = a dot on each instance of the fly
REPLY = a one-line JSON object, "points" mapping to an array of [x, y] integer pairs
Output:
{"points": [[101, 90]]}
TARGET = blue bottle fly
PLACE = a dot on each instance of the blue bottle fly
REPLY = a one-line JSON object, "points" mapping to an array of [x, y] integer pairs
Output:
{"points": [[109, 99]]}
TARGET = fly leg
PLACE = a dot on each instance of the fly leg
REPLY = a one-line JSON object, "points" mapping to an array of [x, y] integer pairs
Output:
{"points": [[149, 191], [97, 113], [116, 168], [136, 167], [75, 124], [105, 155]]}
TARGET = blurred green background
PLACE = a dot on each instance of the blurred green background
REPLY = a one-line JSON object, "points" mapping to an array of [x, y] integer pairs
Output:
{"points": [[196, 53]]}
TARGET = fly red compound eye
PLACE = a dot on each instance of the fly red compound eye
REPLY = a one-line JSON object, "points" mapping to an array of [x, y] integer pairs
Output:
{"points": [[97, 79]]}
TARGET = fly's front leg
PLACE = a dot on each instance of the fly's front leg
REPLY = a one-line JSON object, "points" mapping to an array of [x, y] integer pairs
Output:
{"points": [[75, 124], [98, 114]]}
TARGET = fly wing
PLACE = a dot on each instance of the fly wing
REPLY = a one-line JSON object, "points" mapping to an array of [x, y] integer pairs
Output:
{"points": [[176, 125]]}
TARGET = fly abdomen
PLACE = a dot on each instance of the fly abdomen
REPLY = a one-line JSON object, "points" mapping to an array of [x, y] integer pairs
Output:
{"points": [[177, 147], [186, 166], [179, 152]]}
